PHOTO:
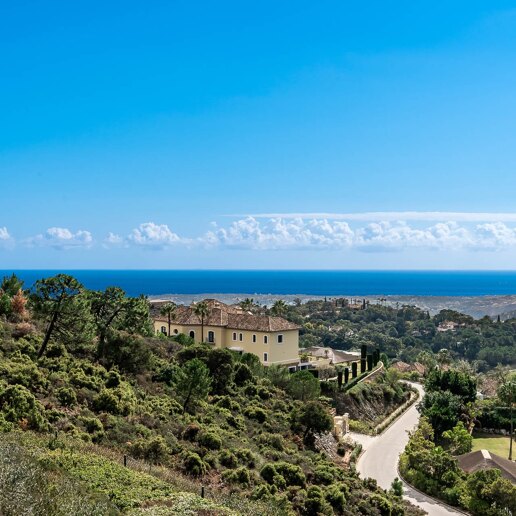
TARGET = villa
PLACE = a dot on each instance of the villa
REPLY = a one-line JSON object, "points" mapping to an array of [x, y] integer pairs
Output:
{"points": [[321, 356], [273, 340]]}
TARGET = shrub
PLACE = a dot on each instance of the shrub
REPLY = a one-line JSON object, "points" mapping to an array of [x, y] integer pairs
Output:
{"points": [[193, 464], [382, 504], [92, 424], [237, 422], [115, 401], [23, 371], [191, 431], [79, 378], [264, 393], [243, 374], [129, 352], [324, 475], [66, 396], [279, 482], [228, 403], [250, 390], [20, 406], [210, 440], [292, 473], [256, 413], [153, 450], [237, 476], [246, 457], [268, 472], [335, 497], [263, 492], [113, 379], [315, 502], [273, 440], [228, 459]]}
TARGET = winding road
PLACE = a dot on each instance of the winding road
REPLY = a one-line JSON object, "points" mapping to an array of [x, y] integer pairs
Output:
{"points": [[380, 459]]}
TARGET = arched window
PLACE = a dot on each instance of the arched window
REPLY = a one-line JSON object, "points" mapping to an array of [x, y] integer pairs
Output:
{"points": [[211, 336], [265, 339], [266, 357], [176, 331], [164, 330], [192, 334]]}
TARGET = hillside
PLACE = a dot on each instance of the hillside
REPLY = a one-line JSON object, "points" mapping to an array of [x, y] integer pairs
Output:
{"points": [[184, 415]]}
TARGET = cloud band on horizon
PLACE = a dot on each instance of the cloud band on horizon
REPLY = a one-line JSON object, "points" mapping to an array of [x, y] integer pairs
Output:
{"points": [[282, 233]]}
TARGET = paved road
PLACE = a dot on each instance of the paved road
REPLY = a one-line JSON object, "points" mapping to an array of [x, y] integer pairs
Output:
{"points": [[380, 459]]}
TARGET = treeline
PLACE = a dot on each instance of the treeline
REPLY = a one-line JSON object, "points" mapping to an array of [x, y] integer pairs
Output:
{"points": [[407, 332]]}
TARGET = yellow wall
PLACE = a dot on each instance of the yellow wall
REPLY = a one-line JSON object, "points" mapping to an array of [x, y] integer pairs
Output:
{"points": [[285, 353]]}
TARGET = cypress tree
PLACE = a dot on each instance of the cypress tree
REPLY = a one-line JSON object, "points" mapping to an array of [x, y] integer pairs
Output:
{"points": [[346, 375], [363, 351], [354, 369], [362, 365], [369, 362]]}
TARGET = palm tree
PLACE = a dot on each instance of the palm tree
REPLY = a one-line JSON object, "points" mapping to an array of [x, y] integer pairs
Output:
{"points": [[279, 307], [202, 310], [169, 310], [247, 304], [507, 395]]}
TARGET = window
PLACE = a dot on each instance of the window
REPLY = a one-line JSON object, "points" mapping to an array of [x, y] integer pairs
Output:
{"points": [[292, 369], [176, 331], [266, 357], [164, 330], [192, 334], [211, 336], [265, 339], [254, 338], [234, 335], [280, 339], [241, 337]]}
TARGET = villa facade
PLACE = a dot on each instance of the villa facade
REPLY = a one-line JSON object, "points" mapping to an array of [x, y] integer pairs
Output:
{"points": [[273, 340]]}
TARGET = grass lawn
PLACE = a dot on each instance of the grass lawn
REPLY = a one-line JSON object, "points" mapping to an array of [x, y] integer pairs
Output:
{"points": [[498, 444]]}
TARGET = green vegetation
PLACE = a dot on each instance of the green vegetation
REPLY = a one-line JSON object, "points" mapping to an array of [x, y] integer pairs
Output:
{"points": [[407, 333], [85, 383], [448, 415], [494, 443]]}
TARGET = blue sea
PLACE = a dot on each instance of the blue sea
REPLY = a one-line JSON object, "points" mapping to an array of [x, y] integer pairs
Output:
{"points": [[298, 282]]}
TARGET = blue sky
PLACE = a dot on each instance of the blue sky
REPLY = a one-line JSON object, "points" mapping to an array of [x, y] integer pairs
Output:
{"points": [[258, 135]]}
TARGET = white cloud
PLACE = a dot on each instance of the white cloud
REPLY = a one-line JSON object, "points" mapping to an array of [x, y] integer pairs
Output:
{"points": [[390, 216], [153, 235], [62, 238], [113, 239], [388, 235], [299, 233], [280, 233], [4, 234], [497, 234], [383, 235]]}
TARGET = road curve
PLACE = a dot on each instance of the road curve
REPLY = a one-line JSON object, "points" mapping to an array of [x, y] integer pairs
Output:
{"points": [[380, 459]]}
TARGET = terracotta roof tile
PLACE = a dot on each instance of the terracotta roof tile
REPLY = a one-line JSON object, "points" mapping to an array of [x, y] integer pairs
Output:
{"points": [[224, 315]]}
